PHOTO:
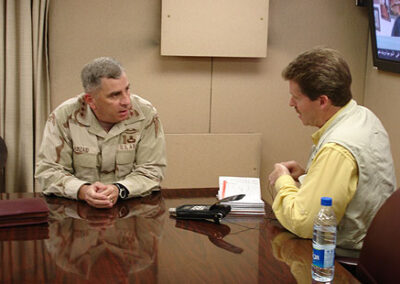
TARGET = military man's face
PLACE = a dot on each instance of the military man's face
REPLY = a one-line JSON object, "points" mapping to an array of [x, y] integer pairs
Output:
{"points": [[111, 103]]}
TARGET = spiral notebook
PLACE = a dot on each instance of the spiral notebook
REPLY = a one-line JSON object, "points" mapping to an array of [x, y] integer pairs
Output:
{"points": [[251, 204]]}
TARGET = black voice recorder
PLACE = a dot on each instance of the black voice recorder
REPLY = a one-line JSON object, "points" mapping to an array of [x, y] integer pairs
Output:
{"points": [[213, 212]]}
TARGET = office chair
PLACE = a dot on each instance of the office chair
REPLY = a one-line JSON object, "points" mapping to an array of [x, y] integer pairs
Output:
{"points": [[379, 260], [3, 160]]}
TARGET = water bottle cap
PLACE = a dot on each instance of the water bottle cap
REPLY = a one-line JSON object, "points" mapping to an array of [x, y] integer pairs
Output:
{"points": [[326, 201]]}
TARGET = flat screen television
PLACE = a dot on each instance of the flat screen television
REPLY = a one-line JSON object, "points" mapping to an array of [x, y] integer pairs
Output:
{"points": [[384, 18]]}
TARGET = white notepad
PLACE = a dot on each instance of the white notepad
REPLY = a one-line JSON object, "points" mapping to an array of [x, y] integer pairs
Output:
{"points": [[251, 204]]}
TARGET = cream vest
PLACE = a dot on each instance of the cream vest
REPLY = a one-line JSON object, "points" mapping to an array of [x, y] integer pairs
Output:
{"points": [[358, 130]]}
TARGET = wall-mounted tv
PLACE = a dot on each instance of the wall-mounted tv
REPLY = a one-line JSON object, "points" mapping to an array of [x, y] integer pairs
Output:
{"points": [[384, 18]]}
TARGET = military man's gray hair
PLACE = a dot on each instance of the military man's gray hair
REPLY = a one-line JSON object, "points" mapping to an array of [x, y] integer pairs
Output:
{"points": [[102, 67]]}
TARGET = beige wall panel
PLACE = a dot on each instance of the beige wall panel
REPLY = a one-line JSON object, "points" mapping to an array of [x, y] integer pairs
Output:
{"points": [[197, 160], [233, 28], [250, 95], [382, 96], [130, 32]]}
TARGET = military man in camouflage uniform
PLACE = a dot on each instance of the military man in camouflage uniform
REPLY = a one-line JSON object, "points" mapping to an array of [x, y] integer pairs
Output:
{"points": [[103, 145]]}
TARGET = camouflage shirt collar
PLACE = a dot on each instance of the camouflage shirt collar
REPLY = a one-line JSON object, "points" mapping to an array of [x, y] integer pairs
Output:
{"points": [[85, 115]]}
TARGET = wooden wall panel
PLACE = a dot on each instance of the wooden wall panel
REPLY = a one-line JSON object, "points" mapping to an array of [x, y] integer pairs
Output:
{"points": [[230, 28], [197, 160]]}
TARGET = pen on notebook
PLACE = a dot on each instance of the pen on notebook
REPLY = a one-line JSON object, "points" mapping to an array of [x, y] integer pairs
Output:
{"points": [[223, 188]]}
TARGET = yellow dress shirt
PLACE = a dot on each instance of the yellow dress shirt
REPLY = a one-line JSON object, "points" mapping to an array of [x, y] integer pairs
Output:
{"points": [[332, 173]]}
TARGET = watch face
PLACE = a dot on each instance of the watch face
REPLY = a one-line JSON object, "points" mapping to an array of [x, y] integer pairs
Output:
{"points": [[123, 193]]}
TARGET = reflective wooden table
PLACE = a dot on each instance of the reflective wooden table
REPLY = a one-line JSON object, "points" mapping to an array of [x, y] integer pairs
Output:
{"points": [[138, 242]]}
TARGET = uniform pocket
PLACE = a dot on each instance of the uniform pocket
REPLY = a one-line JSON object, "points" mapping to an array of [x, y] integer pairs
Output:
{"points": [[85, 160], [85, 166], [124, 160], [125, 157]]}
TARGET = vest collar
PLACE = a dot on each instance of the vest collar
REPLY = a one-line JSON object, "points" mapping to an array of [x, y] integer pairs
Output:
{"points": [[316, 136]]}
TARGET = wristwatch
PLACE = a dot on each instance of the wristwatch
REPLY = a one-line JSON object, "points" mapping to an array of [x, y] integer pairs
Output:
{"points": [[122, 191]]}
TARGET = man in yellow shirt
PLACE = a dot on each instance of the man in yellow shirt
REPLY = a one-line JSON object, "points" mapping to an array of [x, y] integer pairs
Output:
{"points": [[350, 159]]}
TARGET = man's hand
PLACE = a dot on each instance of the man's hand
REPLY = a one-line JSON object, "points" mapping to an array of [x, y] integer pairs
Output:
{"points": [[279, 170], [111, 191], [295, 169], [99, 195]]}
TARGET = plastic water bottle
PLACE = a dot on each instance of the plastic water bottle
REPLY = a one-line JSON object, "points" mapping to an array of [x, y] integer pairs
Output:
{"points": [[324, 243]]}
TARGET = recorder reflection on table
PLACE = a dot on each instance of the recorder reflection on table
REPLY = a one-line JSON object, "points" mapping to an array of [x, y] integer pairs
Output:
{"points": [[215, 212], [215, 232]]}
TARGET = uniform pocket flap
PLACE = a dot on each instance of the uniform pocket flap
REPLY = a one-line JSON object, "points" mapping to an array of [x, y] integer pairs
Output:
{"points": [[125, 157], [85, 160]]}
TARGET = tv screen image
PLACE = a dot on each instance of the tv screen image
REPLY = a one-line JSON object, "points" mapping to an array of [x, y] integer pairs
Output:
{"points": [[385, 34]]}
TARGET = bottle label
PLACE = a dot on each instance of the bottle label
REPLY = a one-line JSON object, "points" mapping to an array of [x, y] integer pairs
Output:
{"points": [[324, 257]]}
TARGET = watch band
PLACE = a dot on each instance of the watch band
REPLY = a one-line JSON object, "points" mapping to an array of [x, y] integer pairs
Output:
{"points": [[122, 191]]}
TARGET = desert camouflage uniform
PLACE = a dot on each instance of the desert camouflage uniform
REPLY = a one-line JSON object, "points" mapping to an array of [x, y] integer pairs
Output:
{"points": [[76, 150]]}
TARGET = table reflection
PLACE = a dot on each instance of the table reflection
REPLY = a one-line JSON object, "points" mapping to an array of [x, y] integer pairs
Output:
{"points": [[94, 243], [137, 242], [215, 232], [297, 254]]}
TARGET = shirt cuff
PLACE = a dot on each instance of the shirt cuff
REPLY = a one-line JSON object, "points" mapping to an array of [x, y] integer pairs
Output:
{"points": [[72, 188], [284, 181]]}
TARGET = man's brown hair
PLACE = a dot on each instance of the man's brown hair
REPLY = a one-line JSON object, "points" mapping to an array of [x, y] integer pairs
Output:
{"points": [[321, 71]]}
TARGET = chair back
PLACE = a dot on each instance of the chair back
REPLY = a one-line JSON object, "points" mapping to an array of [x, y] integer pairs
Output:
{"points": [[380, 256]]}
